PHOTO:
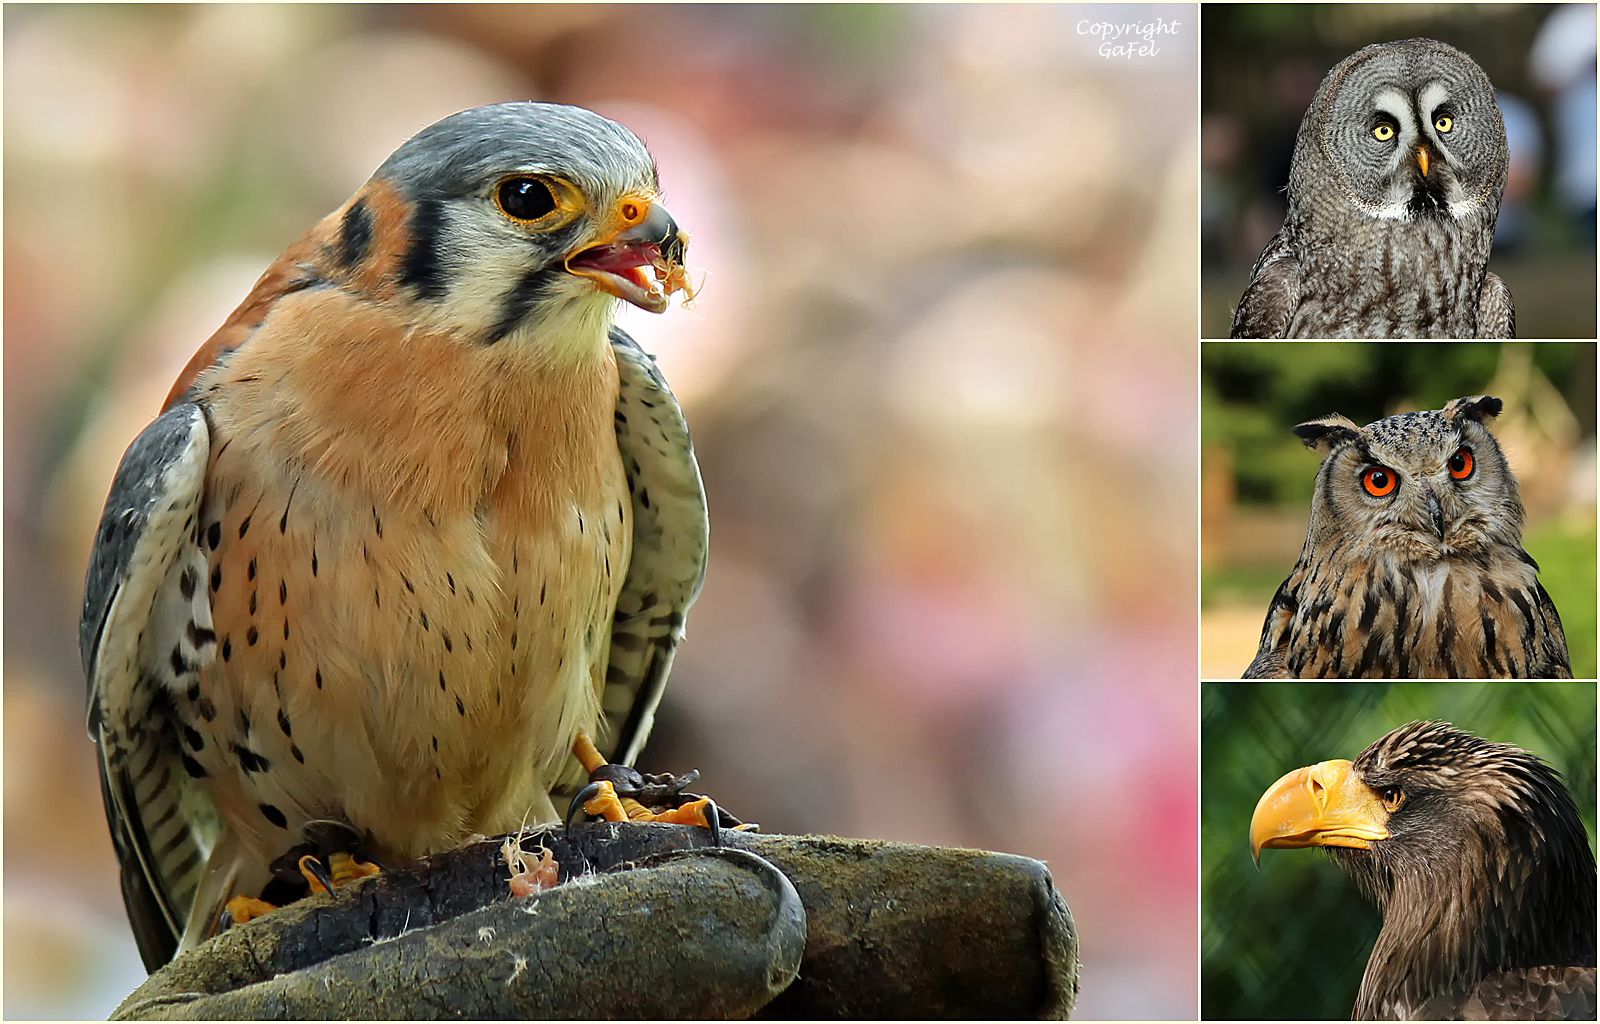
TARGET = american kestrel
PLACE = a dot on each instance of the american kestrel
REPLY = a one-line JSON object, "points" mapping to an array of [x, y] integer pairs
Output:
{"points": [[416, 518]]}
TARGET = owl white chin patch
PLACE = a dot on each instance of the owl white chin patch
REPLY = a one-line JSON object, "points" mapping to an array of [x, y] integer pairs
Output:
{"points": [[1459, 210], [1391, 211]]}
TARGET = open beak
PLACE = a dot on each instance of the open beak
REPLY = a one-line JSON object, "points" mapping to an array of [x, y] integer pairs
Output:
{"points": [[1323, 805], [1422, 159], [639, 255]]}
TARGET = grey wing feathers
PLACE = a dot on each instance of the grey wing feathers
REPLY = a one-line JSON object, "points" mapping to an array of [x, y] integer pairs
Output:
{"points": [[669, 550], [144, 636], [1268, 305], [1497, 315]]}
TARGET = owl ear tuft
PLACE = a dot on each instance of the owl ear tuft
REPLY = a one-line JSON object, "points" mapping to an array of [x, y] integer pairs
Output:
{"points": [[1478, 407], [1321, 435]]}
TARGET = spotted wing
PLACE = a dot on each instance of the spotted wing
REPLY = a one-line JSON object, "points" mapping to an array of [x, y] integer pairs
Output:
{"points": [[669, 549], [145, 635]]}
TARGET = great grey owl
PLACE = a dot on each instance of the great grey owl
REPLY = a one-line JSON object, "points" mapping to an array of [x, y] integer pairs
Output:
{"points": [[1413, 564], [1393, 194]]}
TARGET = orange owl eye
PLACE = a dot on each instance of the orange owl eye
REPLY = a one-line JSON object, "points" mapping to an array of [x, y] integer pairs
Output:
{"points": [[1461, 464], [1379, 481]]}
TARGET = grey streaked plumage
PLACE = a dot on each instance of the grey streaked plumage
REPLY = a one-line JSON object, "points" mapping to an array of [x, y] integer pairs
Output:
{"points": [[1394, 190], [1422, 575]]}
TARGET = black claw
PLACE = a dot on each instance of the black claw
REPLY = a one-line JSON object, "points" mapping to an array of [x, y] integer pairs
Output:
{"points": [[713, 822], [314, 865], [585, 794]]}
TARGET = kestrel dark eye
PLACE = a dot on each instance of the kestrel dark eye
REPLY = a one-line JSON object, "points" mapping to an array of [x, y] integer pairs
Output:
{"points": [[525, 198]]}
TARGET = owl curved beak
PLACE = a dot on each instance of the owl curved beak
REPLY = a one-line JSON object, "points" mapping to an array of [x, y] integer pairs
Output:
{"points": [[1422, 159], [1434, 509], [1324, 804]]}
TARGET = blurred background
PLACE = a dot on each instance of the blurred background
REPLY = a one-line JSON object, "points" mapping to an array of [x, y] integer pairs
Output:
{"points": [[1261, 65], [1290, 942], [1257, 478], [951, 274]]}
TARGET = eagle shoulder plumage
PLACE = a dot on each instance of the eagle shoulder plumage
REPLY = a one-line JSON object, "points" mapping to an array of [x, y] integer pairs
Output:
{"points": [[1476, 855]]}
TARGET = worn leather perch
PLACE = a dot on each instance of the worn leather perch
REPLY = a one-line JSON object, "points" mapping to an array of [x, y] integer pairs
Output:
{"points": [[650, 921]]}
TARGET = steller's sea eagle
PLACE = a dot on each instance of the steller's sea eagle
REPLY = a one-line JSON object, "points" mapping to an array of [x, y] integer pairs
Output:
{"points": [[1474, 852]]}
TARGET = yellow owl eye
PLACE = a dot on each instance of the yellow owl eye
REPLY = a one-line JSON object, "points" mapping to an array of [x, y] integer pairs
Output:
{"points": [[1444, 124], [1379, 481], [1383, 133], [1461, 464]]}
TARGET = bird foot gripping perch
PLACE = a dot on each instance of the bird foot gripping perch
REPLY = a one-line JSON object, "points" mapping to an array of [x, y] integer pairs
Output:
{"points": [[619, 793], [325, 861]]}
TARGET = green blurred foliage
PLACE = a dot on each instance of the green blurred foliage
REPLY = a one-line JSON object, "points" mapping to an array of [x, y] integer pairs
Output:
{"points": [[1291, 941], [1566, 555], [1253, 393]]}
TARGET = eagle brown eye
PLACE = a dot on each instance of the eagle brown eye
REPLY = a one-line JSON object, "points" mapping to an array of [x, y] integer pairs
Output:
{"points": [[525, 198], [1379, 481], [1460, 464], [1393, 798]]}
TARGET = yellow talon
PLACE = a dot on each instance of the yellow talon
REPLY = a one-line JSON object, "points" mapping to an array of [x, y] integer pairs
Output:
{"points": [[695, 813], [247, 908], [342, 869], [583, 749], [345, 868], [607, 805]]}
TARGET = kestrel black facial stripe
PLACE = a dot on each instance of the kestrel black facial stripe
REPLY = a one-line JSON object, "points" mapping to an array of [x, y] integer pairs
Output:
{"points": [[422, 268], [521, 300], [355, 234]]}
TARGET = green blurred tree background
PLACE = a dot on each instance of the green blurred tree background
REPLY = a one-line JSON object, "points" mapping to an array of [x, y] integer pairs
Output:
{"points": [[1291, 941], [1257, 478]]}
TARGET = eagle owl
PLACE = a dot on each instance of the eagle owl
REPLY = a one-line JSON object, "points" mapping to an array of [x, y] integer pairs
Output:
{"points": [[1413, 564], [1393, 193]]}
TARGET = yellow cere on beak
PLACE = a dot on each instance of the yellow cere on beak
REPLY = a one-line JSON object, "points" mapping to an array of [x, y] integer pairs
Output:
{"points": [[1323, 805], [1422, 160]]}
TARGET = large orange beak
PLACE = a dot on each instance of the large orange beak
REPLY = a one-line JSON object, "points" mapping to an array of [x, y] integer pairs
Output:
{"points": [[1422, 159], [1323, 805], [639, 249]]}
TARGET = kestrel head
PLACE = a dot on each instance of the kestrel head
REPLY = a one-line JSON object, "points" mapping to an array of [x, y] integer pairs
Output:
{"points": [[511, 215]]}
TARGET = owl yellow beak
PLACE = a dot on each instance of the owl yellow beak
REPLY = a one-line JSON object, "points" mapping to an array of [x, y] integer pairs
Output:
{"points": [[1422, 159], [1323, 805]]}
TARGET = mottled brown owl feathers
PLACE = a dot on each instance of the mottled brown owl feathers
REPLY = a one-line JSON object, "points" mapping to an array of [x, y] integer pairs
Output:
{"points": [[1413, 564]]}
